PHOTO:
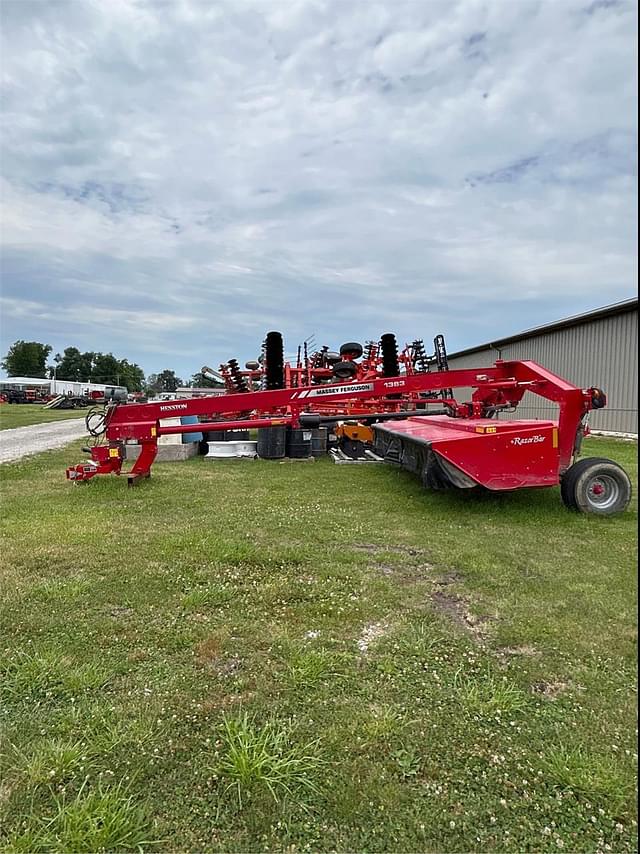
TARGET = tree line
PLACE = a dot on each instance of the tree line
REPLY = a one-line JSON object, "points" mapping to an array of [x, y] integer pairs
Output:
{"points": [[30, 359]]}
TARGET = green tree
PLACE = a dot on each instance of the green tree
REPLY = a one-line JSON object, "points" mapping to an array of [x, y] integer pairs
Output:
{"points": [[106, 369], [164, 381], [131, 375], [27, 359], [74, 365], [99, 368], [200, 381]]}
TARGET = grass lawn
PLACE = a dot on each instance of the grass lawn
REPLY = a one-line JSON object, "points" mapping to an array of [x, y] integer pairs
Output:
{"points": [[253, 656], [23, 414]]}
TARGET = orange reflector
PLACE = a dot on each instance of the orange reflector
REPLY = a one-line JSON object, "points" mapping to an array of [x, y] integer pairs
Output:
{"points": [[555, 437]]}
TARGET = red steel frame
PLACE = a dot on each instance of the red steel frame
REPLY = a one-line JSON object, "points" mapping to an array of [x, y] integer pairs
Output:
{"points": [[501, 385]]}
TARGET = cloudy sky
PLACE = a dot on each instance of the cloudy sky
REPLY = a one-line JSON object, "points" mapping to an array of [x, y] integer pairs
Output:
{"points": [[180, 177]]}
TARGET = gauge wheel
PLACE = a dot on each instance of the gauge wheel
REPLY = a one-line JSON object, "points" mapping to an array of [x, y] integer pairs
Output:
{"points": [[596, 485]]}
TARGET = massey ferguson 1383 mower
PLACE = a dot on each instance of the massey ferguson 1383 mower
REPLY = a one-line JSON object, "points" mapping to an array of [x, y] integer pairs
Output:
{"points": [[403, 404]]}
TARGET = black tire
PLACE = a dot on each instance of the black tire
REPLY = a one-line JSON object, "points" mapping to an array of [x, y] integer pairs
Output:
{"points": [[203, 448], [389, 347], [596, 485], [272, 442], [274, 356], [353, 448], [351, 348], [345, 370], [567, 481]]}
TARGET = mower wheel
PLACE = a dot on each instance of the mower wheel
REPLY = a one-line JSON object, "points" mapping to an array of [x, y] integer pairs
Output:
{"points": [[596, 485]]}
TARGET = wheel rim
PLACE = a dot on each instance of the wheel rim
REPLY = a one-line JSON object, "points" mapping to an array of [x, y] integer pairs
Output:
{"points": [[603, 491]]}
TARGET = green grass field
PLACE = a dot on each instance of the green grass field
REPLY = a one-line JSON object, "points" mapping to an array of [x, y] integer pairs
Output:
{"points": [[24, 414], [252, 656]]}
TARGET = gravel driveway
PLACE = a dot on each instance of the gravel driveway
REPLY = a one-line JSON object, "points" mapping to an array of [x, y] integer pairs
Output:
{"points": [[23, 441]]}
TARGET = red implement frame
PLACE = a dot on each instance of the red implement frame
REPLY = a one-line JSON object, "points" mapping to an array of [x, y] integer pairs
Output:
{"points": [[499, 386]]}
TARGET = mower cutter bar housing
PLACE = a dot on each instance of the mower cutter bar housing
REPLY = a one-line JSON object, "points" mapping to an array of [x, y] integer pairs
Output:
{"points": [[466, 452]]}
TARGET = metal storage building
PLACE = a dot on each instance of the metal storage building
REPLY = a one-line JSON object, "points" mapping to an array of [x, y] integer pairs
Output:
{"points": [[66, 387], [597, 348]]}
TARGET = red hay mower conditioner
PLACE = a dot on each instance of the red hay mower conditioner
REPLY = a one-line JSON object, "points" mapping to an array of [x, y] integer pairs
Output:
{"points": [[393, 398]]}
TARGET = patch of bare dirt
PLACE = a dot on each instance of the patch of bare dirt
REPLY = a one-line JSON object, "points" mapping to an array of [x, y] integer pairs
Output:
{"points": [[370, 634], [6, 790], [121, 611], [506, 653], [550, 690], [404, 574], [230, 666], [457, 610], [209, 649], [452, 576], [226, 700], [385, 568], [452, 605], [373, 548]]}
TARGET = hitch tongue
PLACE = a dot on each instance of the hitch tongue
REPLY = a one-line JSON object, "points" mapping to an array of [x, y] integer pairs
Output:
{"points": [[105, 459]]}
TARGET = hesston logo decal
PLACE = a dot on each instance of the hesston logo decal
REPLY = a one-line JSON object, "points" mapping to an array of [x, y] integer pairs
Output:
{"points": [[173, 406], [527, 440]]}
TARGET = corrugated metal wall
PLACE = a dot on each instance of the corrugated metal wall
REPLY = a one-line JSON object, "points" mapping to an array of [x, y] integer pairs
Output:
{"points": [[601, 352]]}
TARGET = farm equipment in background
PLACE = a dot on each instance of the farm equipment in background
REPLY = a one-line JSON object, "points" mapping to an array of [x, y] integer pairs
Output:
{"points": [[90, 397], [69, 401], [19, 395], [354, 438], [402, 402], [324, 366]]}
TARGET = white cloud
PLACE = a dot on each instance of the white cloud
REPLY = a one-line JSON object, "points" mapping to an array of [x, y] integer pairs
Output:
{"points": [[180, 177]]}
